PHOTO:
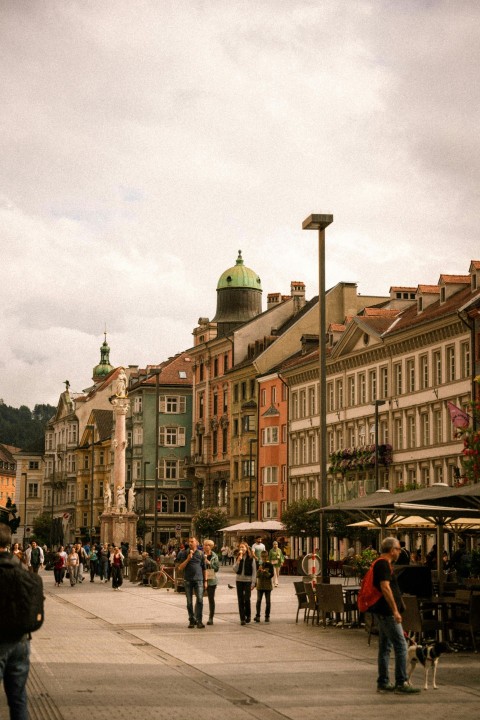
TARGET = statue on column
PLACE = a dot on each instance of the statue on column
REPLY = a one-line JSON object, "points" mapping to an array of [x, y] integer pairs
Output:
{"points": [[120, 497], [131, 498], [107, 498], [121, 384]]}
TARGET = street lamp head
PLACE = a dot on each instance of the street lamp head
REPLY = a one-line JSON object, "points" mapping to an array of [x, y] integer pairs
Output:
{"points": [[317, 222], [377, 403]]}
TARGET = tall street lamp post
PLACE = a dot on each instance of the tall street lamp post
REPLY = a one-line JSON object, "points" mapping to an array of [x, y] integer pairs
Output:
{"points": [[157, 409], [24, 508], [377, 404], [320, 222], [250, 467], [92, 435], [147, 462]]}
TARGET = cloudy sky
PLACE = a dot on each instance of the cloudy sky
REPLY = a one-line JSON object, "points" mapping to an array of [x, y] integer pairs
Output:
{"points": [[143, 143]]}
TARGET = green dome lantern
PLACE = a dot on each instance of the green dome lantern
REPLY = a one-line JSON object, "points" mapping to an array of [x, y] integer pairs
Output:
{"points": [[239, 297], [239, 276], [104, 368]]}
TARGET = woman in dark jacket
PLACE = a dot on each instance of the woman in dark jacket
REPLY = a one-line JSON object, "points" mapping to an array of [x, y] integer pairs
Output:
{"points": [[245, 567]]}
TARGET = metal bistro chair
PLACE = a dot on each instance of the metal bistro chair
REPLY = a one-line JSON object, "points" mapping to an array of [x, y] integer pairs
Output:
{"points": [[329, 600], [414, 621], [301, 598], [466, 618], [348, 572], [312, 606]]}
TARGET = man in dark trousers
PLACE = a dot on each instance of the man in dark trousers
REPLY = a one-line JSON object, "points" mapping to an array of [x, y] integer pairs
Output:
{"points": [[192, 562], [14, 652], [389, 621]]}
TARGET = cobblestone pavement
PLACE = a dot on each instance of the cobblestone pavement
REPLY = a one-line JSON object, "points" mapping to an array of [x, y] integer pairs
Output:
{"points": [[128, 653]]}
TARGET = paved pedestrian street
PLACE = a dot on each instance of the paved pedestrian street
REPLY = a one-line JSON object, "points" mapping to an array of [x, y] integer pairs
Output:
{"points": [[129, 654]]}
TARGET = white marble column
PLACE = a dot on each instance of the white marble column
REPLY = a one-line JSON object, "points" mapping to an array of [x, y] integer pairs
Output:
{"points": [[120, 409]]}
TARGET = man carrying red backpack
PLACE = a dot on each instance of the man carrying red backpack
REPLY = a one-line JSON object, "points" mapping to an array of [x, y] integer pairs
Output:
{"points": [[387, 612]]}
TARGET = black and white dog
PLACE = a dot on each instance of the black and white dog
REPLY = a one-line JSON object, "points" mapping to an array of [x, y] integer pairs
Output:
{"points": [[427, 655]]}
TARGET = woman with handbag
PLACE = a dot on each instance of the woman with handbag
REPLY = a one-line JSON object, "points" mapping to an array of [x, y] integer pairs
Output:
{"points": [[277, 559], [116, 565], [245, 567], [212, 564]]}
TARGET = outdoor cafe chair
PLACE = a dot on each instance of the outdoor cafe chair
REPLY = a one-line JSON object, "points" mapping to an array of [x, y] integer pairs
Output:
{"points": [[465, 619], [348, 572], [312, 606], [329, 600], [421, 622], [301, 598]]}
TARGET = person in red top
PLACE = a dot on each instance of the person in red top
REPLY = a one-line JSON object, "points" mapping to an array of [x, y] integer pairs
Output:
{"points": [[387, 611], [116, 564]]}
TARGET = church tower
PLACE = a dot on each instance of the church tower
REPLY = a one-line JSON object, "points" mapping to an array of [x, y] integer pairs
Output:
{"points": [[101, 370]]}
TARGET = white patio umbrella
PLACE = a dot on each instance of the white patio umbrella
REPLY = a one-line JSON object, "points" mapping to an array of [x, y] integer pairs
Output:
{"points": [[251, 527]]}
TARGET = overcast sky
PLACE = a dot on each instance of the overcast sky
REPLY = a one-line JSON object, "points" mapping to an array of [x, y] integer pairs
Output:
{"points": [[144, 142]]}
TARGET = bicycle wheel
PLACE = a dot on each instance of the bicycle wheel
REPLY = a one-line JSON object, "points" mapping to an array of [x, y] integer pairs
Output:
{"points": [[158, 580]]}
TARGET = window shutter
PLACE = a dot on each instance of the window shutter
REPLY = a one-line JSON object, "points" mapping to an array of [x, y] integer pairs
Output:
{"points": [[181, 437], [161, 404], [161, 436], [161, 470], [182, 404]]}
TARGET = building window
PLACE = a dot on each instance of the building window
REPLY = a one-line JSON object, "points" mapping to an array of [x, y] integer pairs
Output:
{"points": [[33, 465], [224, 440], [411, 432], [437, 368], [303, 403], [263, 397], [450, 358], [274, 395], [137, 470], [201, 370], [138, 436], [170, 404], [214, 442], [248, 423], [215, 367], [362, 389], [246, 505], [397, 374], [33, 490], [339, 394], [270, 475], [86, 460], [438, 474], [85, 491], [248, 468], [162, 503], [312, 405], [383, 382], [410, 375], [330, 397], [235, 393], [284, 433], [171, 469], [425, 475], [137, 404], [172, 436], [179, 504], [424, 372], [398, 433], [351, 390], [270, 435], [465, 359], [225, 401], [215, 403], [85, 519], [252, 388], [270, 510], [243, 388], [372, 382], [101, 489], [235, 427], [330, 443], [225, 362], [294, 410], [425, 428], [438, 426]]}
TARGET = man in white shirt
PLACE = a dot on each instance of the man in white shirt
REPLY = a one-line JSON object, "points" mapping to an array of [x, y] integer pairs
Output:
{"points": [[258, 547]]}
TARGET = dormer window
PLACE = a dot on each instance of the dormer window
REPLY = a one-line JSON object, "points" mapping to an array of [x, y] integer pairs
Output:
{"points": [[420, 304], [474, 282], [442, 294]]}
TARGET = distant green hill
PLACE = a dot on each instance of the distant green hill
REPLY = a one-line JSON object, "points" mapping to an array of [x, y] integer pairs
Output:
{"points": [[23, 428]]}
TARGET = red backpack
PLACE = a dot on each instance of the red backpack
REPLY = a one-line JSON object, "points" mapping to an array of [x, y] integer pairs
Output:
{"points": [[368, 594]]}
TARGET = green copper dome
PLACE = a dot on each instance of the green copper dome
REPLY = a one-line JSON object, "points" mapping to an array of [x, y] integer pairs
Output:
{"points": [[239, 276], [103, 368]]}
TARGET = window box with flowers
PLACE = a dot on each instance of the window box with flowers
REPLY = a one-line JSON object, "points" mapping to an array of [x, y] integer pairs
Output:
{"points": [[359, 459]]}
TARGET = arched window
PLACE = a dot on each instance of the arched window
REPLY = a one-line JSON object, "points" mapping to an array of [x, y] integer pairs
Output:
{"points": [[179, 504], [162, 503]]}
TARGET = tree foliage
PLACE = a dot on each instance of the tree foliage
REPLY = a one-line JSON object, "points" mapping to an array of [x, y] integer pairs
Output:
{"points": [[298, 522], [23, 428], [208, 521], [42, 527]]}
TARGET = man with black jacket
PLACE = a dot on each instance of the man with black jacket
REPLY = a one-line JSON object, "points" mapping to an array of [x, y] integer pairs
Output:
{"points": [[14, 652]]}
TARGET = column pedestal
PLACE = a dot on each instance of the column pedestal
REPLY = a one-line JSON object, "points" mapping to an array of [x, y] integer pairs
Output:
{"points": [[118, 526]]}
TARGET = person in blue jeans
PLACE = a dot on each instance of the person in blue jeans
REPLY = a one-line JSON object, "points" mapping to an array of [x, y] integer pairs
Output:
{"points": [[389, 621], [192, 562], [14, 654]]}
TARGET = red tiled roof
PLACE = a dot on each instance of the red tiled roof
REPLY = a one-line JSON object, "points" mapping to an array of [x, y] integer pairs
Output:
{"points": [[170, 371], [454, 279], [426, 289], [336, 327], [397, 288], [379, 312], [475, 264], [411, 316]]}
